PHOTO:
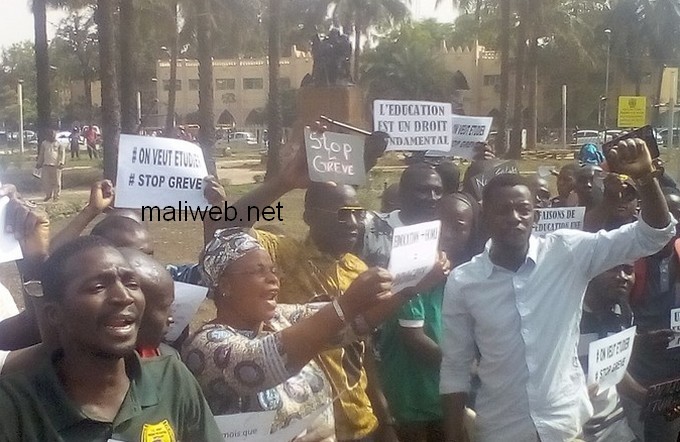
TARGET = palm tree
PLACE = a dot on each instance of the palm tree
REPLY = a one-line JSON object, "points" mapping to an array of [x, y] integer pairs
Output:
{"points": [[504, 44], [274, 126], [518, 117], [128, 38], [42, 68], [206, 105], [360, 15], [106, 23], [174, 54]]}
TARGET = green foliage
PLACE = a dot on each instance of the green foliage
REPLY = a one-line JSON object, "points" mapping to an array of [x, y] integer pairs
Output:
{"points": [[18, 63]]}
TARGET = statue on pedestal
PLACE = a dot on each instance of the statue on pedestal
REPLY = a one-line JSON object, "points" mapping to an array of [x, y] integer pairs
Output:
{"points": [[332, 58]]}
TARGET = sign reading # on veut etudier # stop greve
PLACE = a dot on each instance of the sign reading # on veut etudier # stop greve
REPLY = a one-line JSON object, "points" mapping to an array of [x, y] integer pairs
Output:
{"points": [[155, 171], [336, 157], [414, 125], [414, 253], [608, 359], [556, 218]]}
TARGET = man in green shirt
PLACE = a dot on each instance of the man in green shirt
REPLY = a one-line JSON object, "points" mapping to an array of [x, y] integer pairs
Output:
{"points": [[95, 388]]}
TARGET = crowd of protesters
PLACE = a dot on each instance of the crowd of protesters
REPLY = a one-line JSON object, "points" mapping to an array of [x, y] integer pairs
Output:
{"points": [[489, 346]]}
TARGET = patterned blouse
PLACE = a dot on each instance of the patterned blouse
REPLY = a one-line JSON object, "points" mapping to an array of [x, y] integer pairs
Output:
{"points": [[244, 371]]}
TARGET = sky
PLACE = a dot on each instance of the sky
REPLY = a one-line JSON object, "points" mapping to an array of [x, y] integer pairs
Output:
{"points": [[16, 21]]}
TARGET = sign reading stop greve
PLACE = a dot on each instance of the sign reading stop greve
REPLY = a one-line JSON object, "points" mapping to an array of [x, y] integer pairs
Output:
{"points": [[632, 111]]}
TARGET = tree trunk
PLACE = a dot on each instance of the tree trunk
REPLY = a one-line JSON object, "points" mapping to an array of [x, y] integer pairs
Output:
{"points": [[87, 84], [172, 91], [532, 81], [517, 114], [504, 45], [42, 69], [106, 29], [357, 51], [274, 126], [128, 66], [206, 111]]}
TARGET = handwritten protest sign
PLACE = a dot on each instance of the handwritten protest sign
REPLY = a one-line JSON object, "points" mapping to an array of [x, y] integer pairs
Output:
{"points": [[188, 299], [10, 250], [246, 427], [480, 180], [154, 171], [414, 125], [608, 358], [467, 132], [414, 253], [336, 157], [550, 220], [664, 399], [675, 326]]}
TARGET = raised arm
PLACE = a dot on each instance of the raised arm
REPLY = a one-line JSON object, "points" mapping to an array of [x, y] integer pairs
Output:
{"points": [[101, 197]]}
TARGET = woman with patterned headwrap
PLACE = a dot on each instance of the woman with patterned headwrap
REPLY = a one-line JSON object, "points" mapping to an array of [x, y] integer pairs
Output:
{"points": [[259, 356]]}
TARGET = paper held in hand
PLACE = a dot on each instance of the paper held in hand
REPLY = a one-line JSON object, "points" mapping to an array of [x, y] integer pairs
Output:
{"points": [[155, 171], [414, 253], [608, 359], [335, 157], [10, 250], [414, 125], [553, 219], [675, 326], [467, 132], [188, 299]]}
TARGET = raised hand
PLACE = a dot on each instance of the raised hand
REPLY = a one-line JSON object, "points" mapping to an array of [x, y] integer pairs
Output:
{"points": [[30, 226], [630, 157], [101, 196], [213, 191], [366, 290]]}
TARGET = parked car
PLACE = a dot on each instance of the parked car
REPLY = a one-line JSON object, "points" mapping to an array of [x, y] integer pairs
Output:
{"points": [[611, 134], [64, 139], [585, 136], [243, 137], [662, 136]]}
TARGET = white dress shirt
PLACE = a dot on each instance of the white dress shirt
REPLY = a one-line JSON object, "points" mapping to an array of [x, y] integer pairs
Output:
{"points": [[525, 325], [7, 308]]}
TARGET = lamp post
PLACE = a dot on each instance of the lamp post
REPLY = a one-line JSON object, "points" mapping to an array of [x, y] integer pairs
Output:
{"points": [[608, 33], [20, 98]]}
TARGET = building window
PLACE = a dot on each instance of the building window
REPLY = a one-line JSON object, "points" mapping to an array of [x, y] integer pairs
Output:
{"points": [[166, 85], [284, 83], [194, 85], [492, 80], [223, 84], [253, 83]]}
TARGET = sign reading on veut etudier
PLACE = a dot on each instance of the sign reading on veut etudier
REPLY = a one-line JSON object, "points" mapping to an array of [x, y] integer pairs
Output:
{"points": [[414, 125]]}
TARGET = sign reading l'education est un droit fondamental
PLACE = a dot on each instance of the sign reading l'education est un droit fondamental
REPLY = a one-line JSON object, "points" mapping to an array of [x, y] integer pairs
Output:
{"points": [[414, 125]]}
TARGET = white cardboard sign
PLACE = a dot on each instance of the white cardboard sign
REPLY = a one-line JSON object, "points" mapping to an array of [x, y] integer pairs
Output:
{"points": [[675, 326], [10, 250], [556, 218], [188, 299], [467, 132], [414, 253], [414, 125], [155, 171], [608, 358], [246, 427], [335, 157]]}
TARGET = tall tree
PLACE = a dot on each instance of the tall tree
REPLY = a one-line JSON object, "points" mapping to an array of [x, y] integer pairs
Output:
{"points": [[128, 38], [504, 44], [106, 25], [274, 118], [206, 105], [520, 53], [42, 65], [174, 55]]}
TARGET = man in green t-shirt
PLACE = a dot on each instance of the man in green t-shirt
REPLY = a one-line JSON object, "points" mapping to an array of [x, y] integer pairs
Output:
{"points": [[94, 388]]}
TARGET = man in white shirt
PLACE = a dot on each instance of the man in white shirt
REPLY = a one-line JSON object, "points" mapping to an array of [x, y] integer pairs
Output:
{"points": [[519, 305]]}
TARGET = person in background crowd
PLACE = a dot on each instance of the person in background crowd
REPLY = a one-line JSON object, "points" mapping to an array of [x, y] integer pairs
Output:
{"points": [[420, 188], [655, 294], [566, 180], [409, 342], [450, 175], [389, 200], [74, 143], [541, 191], [588, 186], [277, 341], [51, 159], [606, 311], [91, 141], [619, 204], [95, 387], [517, 306], [159, 293], [590, 154]]}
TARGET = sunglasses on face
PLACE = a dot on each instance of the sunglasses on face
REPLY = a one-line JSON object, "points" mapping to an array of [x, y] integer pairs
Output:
{"points": [[346, 214]]}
